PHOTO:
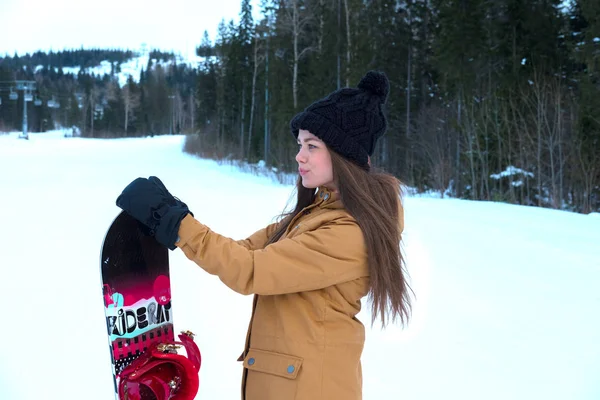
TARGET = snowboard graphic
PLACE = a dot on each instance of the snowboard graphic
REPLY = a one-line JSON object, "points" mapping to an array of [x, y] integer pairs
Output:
{"points": [[136, 290]]}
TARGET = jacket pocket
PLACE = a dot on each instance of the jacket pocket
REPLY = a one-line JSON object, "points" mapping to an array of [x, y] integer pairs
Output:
{"points": [[271, 375]]}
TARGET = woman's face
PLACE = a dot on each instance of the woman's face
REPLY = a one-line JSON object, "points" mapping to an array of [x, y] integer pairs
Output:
{"points": [[314, 162]]}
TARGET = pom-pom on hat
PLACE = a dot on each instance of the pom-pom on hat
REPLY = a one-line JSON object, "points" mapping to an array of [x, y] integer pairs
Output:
{"points": [[349, 120]]}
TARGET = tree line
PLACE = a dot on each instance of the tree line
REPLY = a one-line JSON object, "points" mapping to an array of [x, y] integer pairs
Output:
{"points": [[489, 100], [98, 104]]}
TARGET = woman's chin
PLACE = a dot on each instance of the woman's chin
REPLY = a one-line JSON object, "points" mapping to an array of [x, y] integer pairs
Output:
{"points": [[308, 184]]}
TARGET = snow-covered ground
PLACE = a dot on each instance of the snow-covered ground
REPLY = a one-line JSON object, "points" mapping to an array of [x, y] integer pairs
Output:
{"points": [[507, 302], [132, 67]]}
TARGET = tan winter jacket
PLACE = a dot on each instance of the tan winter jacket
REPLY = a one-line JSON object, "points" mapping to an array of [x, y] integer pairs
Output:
{"points": [[304, 341]]}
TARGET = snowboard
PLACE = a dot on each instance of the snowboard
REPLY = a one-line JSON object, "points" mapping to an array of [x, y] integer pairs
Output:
{"points": [[136, 290]]}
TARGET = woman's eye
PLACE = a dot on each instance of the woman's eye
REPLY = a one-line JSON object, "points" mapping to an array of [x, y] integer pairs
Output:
{"points": [[310, 146]]}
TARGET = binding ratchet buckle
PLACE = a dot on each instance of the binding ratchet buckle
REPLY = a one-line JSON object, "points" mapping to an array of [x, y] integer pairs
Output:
{"points": [[189, 333], [168, 347]]}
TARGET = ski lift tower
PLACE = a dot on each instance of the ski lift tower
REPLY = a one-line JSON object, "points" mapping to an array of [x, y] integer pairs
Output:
{"points": [[28, 87]]}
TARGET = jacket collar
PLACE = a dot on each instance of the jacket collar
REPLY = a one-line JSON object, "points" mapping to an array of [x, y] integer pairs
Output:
{"points": [[326, 198]]}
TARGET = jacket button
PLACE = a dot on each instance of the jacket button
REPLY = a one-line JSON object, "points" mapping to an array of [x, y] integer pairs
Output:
{"points": [[251, 361], [290, 369]]}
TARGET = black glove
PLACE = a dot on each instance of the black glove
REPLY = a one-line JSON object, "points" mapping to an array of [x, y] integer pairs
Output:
{"points": [[149, 201]]}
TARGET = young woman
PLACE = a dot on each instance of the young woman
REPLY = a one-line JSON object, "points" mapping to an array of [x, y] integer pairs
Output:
{"points": [[310, 271]]}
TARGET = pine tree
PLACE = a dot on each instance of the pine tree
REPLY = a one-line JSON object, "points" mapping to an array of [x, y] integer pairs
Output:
{"points": [[587, 143], [205, 49]]}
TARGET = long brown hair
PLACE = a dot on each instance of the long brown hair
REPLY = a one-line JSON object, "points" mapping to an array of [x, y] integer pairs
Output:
{"points": [[373, 198]]}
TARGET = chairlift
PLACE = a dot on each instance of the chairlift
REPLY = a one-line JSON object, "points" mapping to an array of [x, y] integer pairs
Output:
{"points": [[28, 97], [52, 103], [13, 95], [37, 102]]}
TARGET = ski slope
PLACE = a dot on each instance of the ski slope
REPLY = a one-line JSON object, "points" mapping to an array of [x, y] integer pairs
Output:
{"points": [[507, 307]]}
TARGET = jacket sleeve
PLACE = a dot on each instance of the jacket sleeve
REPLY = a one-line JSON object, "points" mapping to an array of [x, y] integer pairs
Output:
{"points": [[331, 254], [258, 239]]}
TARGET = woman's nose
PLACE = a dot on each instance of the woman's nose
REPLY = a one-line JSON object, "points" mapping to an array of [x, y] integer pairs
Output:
{"points": [[300, 156]]}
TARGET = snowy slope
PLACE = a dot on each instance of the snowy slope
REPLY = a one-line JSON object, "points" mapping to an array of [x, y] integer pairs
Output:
{"points": [[507, 296], [132, 67]]}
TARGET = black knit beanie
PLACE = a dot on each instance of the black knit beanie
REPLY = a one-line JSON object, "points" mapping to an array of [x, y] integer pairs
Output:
{"points": [[349, 120]]}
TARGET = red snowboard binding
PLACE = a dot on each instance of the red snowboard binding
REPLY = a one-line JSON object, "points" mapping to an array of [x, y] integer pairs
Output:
{"points": [[161, 373]]}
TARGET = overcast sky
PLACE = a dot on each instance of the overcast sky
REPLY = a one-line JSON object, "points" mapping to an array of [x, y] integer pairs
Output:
{"points": [[31, 25]]}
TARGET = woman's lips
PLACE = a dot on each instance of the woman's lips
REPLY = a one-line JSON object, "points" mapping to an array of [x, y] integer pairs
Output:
{"points": [[302, 172]]}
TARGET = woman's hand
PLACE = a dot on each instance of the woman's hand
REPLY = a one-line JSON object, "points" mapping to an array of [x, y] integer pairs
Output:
{"points": [[149, 201]]}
